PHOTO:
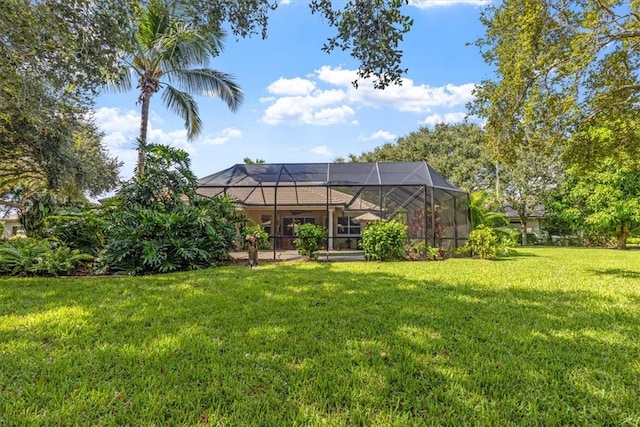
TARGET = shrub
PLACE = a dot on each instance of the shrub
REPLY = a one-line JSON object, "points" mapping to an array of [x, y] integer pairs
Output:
{"points": [[31, 257], [161, 225], [310, 238], [144, 241], [420, 250], [633, 240], [462, 251], [79, 227], [484, 243], [384, 240], [258, 233]]}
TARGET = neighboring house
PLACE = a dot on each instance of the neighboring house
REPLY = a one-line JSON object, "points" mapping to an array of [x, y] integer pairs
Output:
{"points": [[343, 197], [12, 227], [533, 222]]}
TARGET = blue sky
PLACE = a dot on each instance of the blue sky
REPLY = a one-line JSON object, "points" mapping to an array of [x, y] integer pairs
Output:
{"points": [[299, 103]]}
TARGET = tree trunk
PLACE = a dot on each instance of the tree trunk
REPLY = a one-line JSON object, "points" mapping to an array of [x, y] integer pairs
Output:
{"points": [[523, 227], [623, 233], [145, 98]]}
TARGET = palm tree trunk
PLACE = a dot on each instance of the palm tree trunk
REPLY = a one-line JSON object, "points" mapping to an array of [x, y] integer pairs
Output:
{"points": [[145, 98]]}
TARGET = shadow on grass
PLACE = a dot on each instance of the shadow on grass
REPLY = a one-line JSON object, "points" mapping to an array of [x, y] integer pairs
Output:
{"points": [[519, 253], [311, 344], [618, 272]]}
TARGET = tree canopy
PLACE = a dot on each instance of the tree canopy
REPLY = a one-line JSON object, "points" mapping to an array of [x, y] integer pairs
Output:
{"points": [[605, 200], [52, 57], [561, 68], [455, 151]]}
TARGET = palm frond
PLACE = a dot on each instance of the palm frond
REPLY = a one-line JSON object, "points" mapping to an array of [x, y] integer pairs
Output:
{"points": [[183, 104], [185, 47], [154, 23], [120, 81], [208, 82]]}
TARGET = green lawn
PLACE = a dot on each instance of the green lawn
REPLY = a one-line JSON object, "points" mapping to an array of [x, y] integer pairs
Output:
{"points": [[548, 337]]}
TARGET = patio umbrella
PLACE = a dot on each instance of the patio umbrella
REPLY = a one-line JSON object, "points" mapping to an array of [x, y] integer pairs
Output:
{"points": [[367, 218]]}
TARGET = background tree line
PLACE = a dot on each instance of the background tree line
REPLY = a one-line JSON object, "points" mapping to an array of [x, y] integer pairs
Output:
{"points": [[599, 206]]}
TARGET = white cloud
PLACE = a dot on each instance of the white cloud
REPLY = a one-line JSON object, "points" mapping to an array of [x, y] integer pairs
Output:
{"points": [[224, 136], [291, 87], [175, 138], [336, 76], [416, 99], [322, 150], [329, 116], [423, 4], [407, 97], [307, 109], [304, 101], [434, 119], [381, 134], [121, 127]]}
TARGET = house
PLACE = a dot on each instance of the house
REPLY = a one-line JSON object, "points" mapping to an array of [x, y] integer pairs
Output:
{"points": [[343, 197], [534, 222], [12, 226]]}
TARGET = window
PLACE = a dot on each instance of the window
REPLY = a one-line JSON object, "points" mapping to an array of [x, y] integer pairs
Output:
{"points": [[14, 230], [289, 223], [348, 226], [265, 223]]}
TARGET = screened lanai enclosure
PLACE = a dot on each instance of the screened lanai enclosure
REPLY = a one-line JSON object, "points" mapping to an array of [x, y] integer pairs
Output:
{"points": [[345, 197]]}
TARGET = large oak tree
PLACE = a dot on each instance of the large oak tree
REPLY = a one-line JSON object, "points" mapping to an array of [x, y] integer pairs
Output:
{"points": [[560, 68]]}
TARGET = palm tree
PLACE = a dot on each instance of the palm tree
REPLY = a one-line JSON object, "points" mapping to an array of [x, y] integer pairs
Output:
{"points": [[165, 47]]}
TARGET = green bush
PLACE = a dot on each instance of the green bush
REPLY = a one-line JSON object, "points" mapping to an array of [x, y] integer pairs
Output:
{"points": [[421, 251], [462, 252], [161, 225], [258, 233], [384, 240], [484, 243], [31, 257], [79, 227], [147, 241], [310, 238], [633, 241]]}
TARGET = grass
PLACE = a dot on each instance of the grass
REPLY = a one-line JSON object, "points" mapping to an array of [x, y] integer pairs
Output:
{"points": [[548, 337]]}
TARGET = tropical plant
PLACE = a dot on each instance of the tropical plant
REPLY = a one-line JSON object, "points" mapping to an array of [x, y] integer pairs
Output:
{"points": [[32, 257], [310, 238], [384, 240], [484, 211], [79, 227], [166, 46], [161, 225], [420, 250]]}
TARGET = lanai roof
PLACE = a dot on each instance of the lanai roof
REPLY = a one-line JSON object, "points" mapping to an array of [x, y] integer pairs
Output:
{"points": [[328, 174]]}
